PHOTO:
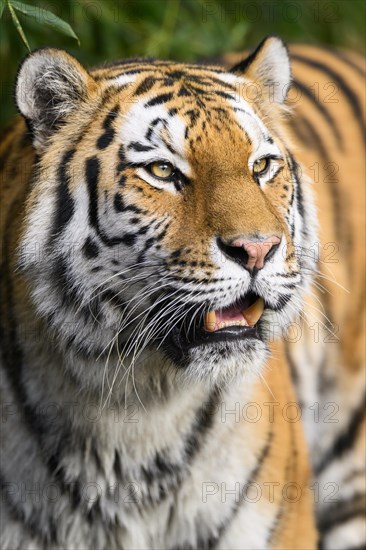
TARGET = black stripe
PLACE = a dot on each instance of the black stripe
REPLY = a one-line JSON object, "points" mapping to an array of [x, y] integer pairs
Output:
{"points": [[128, 239], [64, 201], [92, 171], [276, 523], [139, 147], [159, 99], [214, 540], [349, 62], [184, 92], [346, 439], [34, 423], [13, 365], [289, 474], [111, 117], [341, 512], [296, 123], [138, 69], [122, 160], [339, 80], [194, 115], [152, 126], [226, 95], [353, 474], [298, 186], [160, 236], [10, 128], [322, 110], [64, 282], [338, 201], [292, 367], [118, 203], [32, 522], [144, 61], [11, 349], [281, 302], [109, 77], [213, 80], [341, 230], [145, 85], [161, 475], [207, 92], [107, 137], [6, 155], [148, 244], [173, 473], [161, 478], [124, 62], [171, 149], [90, 248], [202, 423], [160, 469], [242, 66], [152, 240]]}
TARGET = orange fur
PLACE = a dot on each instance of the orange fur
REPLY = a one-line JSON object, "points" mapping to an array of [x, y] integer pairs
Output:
{"points": [[215, 205]]}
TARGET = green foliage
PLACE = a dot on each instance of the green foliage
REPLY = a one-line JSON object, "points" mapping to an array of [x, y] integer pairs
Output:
{"points": [[17, 24], [45, 17], [177, 29]]}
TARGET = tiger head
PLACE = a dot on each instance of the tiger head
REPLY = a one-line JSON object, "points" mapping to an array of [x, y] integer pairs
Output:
{"points": [[170, 215]]}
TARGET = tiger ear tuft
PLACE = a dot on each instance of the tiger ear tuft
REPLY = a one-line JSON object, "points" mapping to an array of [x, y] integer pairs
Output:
{"points": [[269, 67], [50, 85]]}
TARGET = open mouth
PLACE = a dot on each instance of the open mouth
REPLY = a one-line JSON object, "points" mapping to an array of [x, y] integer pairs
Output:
{"points": [[244, 313], [236, 322]]}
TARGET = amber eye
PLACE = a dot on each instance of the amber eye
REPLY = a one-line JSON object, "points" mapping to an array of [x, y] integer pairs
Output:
{"points": [[162, 170], [260, 166]]}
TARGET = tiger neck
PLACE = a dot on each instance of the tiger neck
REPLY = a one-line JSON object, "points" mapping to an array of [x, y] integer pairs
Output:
{"points": [[170, 415], [142, 446]]}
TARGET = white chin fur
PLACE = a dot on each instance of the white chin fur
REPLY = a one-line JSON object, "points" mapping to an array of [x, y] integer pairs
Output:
{"points": [[220, 365]]}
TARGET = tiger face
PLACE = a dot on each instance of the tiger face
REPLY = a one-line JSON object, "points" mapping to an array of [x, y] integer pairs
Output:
{"points": [[168, 209]]}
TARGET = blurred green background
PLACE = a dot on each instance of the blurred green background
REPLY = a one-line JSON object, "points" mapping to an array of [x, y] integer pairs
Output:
{"points": [[177, 29]]}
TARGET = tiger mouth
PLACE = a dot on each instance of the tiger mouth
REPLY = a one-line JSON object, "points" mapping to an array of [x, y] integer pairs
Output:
{"points": [[236, 322], [244, 313]]}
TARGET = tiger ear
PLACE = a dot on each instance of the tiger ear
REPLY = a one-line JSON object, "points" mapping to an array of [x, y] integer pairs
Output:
{"points": [[269, 67], [50, 85]]}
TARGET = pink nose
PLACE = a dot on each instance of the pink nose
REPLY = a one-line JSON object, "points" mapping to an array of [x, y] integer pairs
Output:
{"points": [[257, 251]]}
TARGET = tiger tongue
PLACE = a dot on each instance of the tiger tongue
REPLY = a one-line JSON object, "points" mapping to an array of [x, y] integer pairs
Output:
{"points": [[232, 316], [229, 315]]}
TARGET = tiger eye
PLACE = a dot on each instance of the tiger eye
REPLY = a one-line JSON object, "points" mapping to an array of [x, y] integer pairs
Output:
{"points": [[260, 165], [162, 170]]}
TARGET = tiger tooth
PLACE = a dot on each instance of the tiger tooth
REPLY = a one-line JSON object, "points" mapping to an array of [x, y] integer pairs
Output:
{"points": [[254, 312], [244, 322], [210, 321]]}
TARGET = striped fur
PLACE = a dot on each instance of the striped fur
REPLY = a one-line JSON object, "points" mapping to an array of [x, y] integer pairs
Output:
{"points": [[327, 361], [115, 436]]}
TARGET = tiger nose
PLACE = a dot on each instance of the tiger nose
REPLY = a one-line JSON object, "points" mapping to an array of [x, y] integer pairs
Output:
{"points": [[252, 254]]}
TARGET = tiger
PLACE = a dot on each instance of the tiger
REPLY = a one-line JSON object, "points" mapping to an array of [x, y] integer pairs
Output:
{"points": [[181, 362]]}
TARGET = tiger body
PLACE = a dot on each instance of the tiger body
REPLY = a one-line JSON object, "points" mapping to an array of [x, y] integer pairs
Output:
{"points": [[193, 446], [326, 350]]}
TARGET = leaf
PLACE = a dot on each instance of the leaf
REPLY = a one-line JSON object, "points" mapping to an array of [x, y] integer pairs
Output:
{"points": [[2, 6], [46, 17], [18, 25]]}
